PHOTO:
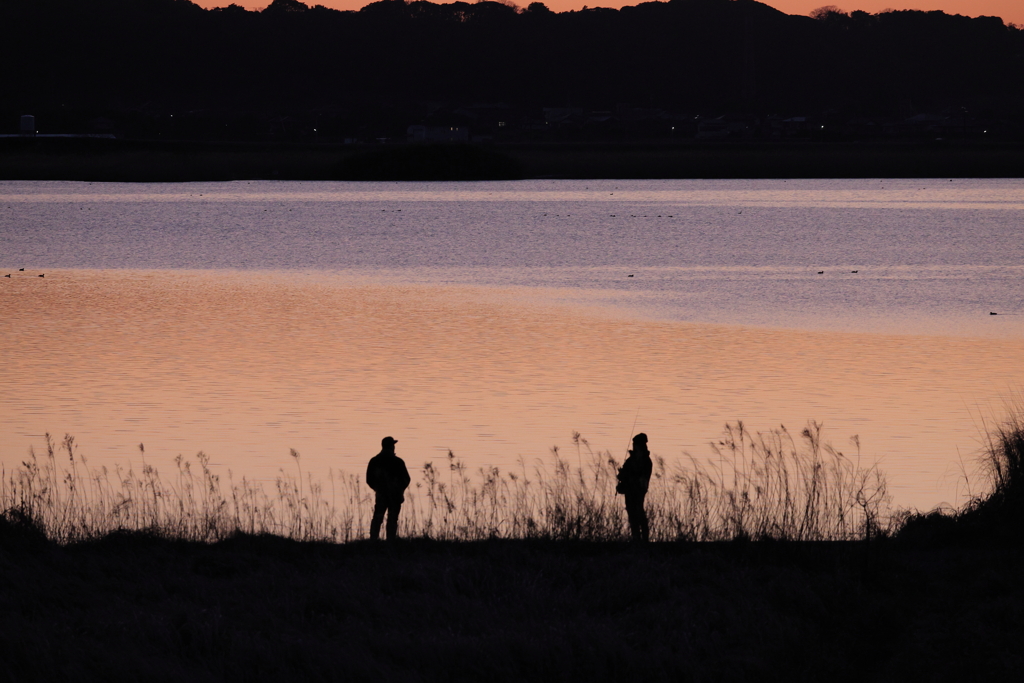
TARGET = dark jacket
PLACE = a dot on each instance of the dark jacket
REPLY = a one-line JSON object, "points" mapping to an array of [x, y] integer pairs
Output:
{"points": [[387, 475], [635, 473]]}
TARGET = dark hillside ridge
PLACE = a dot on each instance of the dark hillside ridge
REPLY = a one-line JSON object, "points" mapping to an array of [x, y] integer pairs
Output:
{"points": [[684, 69]]}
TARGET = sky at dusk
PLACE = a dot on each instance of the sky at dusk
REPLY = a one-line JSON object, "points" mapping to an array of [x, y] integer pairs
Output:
{"points": [[1011, 11]]}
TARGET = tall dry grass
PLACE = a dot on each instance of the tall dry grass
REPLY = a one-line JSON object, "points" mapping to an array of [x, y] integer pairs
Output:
{"points": [[997, 512], [1004, 455], [71, 501], [757, 485], [1003, 459]]}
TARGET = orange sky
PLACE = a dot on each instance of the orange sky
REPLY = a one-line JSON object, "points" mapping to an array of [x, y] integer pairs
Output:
{"points": [[1009, 10]]}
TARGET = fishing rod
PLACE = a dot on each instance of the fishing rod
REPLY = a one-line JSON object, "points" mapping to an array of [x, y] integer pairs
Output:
{"points": [[632, 429]]}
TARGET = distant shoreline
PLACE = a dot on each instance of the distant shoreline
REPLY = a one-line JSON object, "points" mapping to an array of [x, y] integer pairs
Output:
{"points": [[104, 160]]}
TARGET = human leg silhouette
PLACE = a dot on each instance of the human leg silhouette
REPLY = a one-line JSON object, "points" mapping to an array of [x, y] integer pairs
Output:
{"points": [[638, 527], [392, 528], [379, 508]]}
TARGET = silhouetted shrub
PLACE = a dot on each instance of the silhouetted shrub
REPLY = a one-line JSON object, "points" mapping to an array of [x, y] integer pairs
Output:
{"points": [[995, 514]]}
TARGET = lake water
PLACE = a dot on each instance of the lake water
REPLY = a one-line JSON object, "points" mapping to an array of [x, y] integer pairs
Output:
{"points": [[494, 319]]}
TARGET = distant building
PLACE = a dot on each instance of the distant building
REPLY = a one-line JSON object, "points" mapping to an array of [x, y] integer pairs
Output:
{"points": [[560, 116], [27, 129], [793, 127], [727, 126], [419, 133]]}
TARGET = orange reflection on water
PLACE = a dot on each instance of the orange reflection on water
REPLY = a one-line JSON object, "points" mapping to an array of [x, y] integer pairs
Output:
{"points": [[246, 366]]}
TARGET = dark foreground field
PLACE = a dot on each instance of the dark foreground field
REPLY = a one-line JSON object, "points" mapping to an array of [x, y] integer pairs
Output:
{"points": [[150, 579], [135, 607], [103, 160]]}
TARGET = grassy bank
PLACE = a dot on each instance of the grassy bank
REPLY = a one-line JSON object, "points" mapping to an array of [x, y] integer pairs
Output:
{"points": [[756, 485], [166, 591], [154, 161], [997, 513]]}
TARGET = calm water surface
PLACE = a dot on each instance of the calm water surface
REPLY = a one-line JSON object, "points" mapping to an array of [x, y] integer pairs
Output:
{"points": [[244, 319]]}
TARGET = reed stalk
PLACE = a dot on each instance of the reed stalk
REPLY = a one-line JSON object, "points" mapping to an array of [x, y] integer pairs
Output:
{"points": [[757, 485]]}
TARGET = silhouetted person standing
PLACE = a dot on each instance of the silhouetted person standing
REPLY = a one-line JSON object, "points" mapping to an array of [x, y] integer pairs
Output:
{"points": [[634, 478], [387, 476]]}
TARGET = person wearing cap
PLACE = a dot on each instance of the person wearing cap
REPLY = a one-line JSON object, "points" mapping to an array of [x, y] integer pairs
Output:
{"points": [[387, 475], [634, 478]]}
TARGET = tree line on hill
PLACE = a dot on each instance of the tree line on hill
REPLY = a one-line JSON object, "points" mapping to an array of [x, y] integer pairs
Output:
{"points": [[293, 70]]}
